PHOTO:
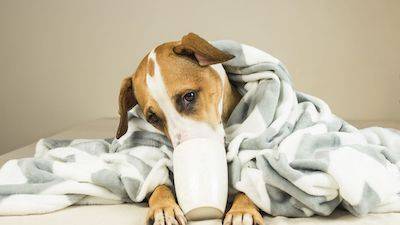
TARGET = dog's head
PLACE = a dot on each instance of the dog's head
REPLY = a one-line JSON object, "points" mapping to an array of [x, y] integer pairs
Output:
{"points": [[182, 89]]}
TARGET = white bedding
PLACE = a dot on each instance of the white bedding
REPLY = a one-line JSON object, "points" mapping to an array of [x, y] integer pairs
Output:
{"points": [[135, 214]]}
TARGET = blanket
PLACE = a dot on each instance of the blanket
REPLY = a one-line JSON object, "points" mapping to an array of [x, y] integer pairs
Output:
{"points": [[286, 150]]}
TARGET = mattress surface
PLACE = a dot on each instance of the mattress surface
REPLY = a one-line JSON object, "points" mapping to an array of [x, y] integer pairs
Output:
{"points": [[125, 214]]}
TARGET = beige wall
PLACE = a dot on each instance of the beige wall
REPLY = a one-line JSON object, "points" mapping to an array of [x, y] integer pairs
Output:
{"points": [[61, 62]]}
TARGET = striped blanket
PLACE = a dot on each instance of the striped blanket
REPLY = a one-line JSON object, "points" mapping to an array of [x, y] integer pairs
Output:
{"points": [[286, 150]]}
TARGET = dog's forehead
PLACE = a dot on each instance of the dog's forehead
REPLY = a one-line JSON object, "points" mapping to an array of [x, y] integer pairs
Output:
{"points": [[177, 72], [173, 67]]}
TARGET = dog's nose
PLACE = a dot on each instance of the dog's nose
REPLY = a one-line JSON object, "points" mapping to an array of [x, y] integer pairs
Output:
{"points": [[179, 138]]}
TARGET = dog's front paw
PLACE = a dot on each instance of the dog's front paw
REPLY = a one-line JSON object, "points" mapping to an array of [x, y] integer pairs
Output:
{"points": [[243, 217], [243, 212], [163, 208], [166, 215]]}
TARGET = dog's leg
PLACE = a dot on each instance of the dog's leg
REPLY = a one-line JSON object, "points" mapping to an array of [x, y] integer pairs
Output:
{"points": [[243, 212], [163, 208]]}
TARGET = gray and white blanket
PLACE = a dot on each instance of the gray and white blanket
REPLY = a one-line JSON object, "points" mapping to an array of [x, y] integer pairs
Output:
{"points": [[285, 150]]}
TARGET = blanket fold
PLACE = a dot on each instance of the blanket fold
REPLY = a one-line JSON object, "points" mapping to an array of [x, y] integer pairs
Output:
{"points": [[286, 150]]}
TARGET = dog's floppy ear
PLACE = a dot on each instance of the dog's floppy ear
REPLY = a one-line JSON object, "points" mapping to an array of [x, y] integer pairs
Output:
{"points": [[205, 54], [126, 102]]}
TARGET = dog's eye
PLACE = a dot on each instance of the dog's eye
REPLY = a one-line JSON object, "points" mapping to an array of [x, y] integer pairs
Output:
{"points": [[189, 97], [153, 118], [186, 102]]}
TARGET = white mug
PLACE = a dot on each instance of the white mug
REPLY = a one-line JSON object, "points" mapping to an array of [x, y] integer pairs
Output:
{"points": [[201, 178]]}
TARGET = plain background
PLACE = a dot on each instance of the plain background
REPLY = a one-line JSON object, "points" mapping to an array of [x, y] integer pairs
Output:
{"points": [[61, 62]]}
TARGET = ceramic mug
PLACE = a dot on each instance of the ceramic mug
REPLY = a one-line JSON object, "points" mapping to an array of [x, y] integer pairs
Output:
{"points": [[201, 178]]}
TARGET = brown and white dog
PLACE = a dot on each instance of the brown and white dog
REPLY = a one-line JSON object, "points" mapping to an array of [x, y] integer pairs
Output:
{"points": [[184, 92]]}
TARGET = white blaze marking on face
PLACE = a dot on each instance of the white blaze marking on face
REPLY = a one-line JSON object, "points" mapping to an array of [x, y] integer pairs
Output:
{"points": [[180, 128]]}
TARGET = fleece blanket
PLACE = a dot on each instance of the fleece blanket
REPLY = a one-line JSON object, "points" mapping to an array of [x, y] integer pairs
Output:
{"points": [[286, 150]]}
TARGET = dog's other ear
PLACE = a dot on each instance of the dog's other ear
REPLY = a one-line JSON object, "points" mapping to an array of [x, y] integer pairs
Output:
{"points": [[205, 54], [126, 102]]}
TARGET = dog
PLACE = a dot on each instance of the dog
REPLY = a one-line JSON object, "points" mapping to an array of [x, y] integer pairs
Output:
{"points": [[183, 91]]}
